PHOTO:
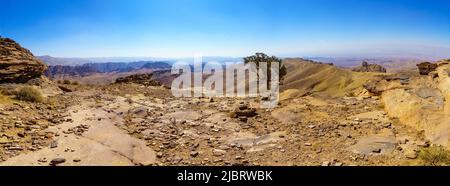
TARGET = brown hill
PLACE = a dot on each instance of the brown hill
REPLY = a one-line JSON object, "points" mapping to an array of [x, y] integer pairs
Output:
{"points": [[308, 77]]}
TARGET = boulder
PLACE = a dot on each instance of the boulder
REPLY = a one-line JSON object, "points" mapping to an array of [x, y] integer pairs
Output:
{"points": [[17, 64], [243, 110], [426, 67]]}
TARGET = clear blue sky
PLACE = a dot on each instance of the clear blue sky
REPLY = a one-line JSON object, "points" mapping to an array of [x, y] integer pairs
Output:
{"points": [[181, 28]]}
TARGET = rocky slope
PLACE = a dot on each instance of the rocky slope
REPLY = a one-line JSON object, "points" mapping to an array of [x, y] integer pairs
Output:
{"points": [[17, 64]]}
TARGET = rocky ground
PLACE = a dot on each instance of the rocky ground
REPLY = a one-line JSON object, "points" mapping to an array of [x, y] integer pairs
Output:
{"points": [[130, 124], [137, 121]]}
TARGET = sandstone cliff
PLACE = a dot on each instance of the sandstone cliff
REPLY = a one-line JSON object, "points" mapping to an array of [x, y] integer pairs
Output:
{"points": [[17, 64]]}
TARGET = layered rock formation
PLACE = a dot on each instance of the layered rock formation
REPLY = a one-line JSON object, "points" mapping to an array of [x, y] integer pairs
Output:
{"points": [[366, 67], [422, 102], [17, 64]]}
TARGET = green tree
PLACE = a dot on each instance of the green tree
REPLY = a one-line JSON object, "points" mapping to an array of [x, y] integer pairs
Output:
{"points": [[261, 57]]}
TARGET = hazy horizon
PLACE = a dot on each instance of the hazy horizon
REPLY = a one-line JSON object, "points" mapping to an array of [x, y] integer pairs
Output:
{"points": [[229, 28]]}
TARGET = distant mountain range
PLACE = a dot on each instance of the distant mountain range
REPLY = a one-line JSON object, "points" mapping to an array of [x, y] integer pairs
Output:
{"points": [[92, 68], [52, 61]]}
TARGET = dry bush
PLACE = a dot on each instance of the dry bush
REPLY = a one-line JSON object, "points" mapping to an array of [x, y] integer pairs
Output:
{"points": [[435, 156], [66, 82], [8, 91], [30, 94], [75, 83], [4, 99]]}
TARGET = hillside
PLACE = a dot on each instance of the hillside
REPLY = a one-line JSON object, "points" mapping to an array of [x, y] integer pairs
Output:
{"points": [[308, 77]]}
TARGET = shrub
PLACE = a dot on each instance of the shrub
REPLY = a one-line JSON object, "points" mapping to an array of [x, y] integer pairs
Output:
{"points": [[75, 83], [59, 81], [4, 99], [435, 156], [30, 94], [66, 81]]}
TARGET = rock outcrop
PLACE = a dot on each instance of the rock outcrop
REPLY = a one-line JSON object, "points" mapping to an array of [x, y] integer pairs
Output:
{"points": [[426, 67], [17, 64], [424, 104], [143, 79], [366, 67]]}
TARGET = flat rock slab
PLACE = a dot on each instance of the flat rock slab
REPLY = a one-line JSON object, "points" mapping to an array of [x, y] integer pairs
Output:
{"points": [[103, 144], [374, 145]]}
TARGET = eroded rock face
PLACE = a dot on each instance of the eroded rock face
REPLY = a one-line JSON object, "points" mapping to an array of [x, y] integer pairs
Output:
{"points": [[366, 67], [424, 104], [426, 67], [17, 64]]}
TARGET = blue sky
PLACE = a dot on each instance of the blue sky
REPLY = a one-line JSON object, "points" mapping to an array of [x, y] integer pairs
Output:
{"points": [[182, 28]]}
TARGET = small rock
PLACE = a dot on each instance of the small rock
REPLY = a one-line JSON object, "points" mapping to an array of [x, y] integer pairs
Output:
{"points": [[218, 152], [378, 150], [326, 164], [54, 144], [57, 161], [423, 144], [411, 154], [194, 154], [21, 134]]}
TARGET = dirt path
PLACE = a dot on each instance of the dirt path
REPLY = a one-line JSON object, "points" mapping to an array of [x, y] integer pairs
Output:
{"points": [[101, 143]]}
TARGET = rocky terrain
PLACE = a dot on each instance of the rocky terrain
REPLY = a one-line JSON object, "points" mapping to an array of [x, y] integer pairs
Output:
{"points": [[327, 116]]}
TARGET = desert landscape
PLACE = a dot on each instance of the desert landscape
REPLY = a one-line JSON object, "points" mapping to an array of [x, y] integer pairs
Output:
{"points": [[125, 114]]}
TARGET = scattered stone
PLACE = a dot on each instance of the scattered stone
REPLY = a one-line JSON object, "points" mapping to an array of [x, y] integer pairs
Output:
{"points": [[53, 144], [218, 152], [57, 161], [411, 154], [194, 154], [76, 160]]}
